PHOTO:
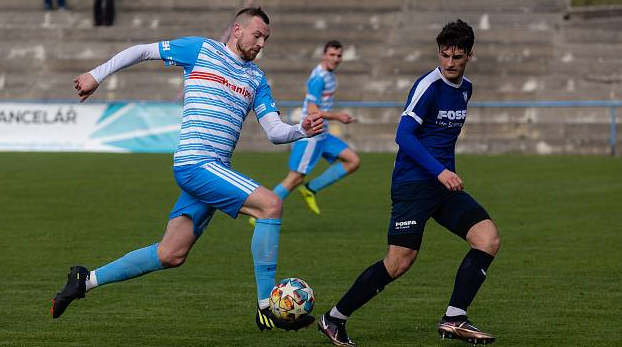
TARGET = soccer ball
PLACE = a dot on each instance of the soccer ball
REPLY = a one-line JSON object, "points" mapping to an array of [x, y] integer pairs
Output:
{"points": [[291, 298]]}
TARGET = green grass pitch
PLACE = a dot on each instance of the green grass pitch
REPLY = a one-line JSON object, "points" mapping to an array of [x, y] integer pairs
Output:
{"points": [[557, 280]]}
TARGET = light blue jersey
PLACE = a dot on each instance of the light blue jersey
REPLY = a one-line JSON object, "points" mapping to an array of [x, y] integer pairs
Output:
{"points": [[220, 89], [306, 153], [321, 87]]}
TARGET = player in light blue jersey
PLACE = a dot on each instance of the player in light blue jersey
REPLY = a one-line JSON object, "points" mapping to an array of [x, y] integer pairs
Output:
{"points": [[221, 86], [306, 153], [425, 185]]}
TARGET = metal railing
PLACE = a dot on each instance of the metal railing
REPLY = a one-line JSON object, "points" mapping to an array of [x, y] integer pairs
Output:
{"points": [[611, 104]]}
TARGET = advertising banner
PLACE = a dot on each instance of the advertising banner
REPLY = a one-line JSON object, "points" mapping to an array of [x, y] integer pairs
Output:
{"points": [[93, 127]]}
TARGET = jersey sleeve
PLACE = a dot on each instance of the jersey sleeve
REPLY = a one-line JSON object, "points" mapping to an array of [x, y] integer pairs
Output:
{"points": [[315, 87], [181, 52], [419, 101], [263, 103], [407, 141]]}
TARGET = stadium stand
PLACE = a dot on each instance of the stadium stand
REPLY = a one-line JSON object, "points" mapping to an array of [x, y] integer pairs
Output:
{"points": [[525, 50]]}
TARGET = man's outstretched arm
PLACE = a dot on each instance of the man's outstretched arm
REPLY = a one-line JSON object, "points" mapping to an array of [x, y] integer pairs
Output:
{"points": [[279, 132], [87, 83]]}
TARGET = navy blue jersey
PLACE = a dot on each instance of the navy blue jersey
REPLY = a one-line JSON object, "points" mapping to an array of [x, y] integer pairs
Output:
{"points": [[439, 108]]}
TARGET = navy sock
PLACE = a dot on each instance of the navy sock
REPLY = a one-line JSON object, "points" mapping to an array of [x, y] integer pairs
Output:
{"points": [[471, 274], [454, 318], [367, 285]]}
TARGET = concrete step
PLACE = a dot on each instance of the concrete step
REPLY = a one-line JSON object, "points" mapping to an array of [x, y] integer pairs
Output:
{"points": [[526, 146], [457, 6], [126, 5], [573, 35], [483, 20], [270, 6], [530, 131]]}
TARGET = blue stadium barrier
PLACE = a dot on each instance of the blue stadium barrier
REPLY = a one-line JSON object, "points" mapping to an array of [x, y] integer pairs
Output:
{"points": [[611, 104]]}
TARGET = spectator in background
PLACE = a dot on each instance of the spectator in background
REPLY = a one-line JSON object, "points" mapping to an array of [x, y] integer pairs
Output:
{"points": [[47, 4], [104, 12]]}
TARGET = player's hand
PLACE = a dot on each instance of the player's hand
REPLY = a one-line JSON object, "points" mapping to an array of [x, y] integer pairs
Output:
{"points": [[313, 124], [86, 85], [345, 118], [451, 180]]}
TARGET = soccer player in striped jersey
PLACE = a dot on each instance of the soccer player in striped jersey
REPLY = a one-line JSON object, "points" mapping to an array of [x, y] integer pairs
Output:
{"points": [[222, 86], [425, 185], [306, 153]]}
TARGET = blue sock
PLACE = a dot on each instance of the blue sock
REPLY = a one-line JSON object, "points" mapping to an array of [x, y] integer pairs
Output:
{"points": [[133, 264], [265, 248], [328, 177], [281, 191]]}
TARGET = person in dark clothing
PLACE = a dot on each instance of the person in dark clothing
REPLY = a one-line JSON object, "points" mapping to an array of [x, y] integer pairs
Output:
{"points": [[104, 12]]}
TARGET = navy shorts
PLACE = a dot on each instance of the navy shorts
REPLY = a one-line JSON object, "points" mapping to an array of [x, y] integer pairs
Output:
{"points": [[413, 203]]}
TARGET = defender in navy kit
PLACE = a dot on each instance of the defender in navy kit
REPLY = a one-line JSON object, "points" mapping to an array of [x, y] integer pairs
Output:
{"points": [[424, 185]]}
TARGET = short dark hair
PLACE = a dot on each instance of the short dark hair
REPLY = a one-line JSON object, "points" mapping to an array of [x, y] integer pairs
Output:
{"points": [[253, 12], [456, 34], [332, 43]]}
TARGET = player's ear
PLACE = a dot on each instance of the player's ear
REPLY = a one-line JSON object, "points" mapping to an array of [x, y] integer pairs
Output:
{"points": [[470, 55], [236, 30]]}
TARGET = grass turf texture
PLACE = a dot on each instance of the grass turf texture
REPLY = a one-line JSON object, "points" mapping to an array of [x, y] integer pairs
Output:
{"points": [[555, 282]]}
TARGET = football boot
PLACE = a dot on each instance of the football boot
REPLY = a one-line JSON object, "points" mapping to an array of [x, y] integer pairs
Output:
{"points": [[335, 332], [74, 289], [267, 321], [309, 196], [463, 330]]}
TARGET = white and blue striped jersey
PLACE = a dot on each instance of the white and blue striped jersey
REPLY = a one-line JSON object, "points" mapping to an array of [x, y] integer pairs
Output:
{"points": [[321, 87], [220, 89]]}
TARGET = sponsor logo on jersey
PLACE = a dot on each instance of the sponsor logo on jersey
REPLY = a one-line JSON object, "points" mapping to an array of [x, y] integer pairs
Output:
{"points": [[451, 114], [166, 45], [219, 79], [405, 224]]}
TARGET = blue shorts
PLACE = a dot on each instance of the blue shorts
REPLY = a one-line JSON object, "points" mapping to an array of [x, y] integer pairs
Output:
{"points": [[207, 187], [307, 152], [413, 203]]}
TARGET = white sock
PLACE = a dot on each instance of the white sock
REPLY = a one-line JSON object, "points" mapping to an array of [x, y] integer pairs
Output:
{"points": [[454, 311], [334, 312], [91, 282], [263, 303]]}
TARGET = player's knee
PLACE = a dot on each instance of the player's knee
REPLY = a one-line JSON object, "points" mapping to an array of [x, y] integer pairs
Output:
{"points": [[352, 164], [484, 236], [399, 264], [489, 244], [297, 180], [403, 265], [493, 244], [272, 206], [170, 258]]}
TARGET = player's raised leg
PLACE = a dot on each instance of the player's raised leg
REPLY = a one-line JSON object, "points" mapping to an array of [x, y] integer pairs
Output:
{"points": [[348, 162], [291, 181], [344, 162], [483, 238], [304, 156], [170, 252]]}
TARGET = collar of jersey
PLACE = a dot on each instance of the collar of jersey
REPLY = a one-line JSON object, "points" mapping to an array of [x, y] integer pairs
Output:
{"points": [[448, 81], [234, 56], [319, 66]]}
